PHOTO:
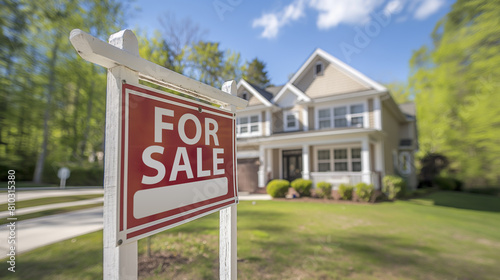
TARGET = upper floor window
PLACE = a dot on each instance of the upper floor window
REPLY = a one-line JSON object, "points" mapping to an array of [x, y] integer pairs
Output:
{"points": [[248, 125], [341, 116], [318, 70], [291, 120], [244, 95]]}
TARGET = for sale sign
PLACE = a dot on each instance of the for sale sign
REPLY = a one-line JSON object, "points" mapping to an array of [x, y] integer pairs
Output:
{"points": [[177, 161]]}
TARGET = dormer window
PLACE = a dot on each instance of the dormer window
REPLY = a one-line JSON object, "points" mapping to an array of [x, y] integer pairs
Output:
{"points": [[244, 95], [318, 70]]}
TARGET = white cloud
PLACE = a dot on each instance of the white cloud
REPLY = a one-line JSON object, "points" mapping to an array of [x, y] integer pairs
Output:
{"points": [[333, 13], [393, 7], [427, 8], [272, 22]]}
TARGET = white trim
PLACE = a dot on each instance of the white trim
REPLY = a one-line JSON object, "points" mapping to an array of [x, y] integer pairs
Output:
{"points": [[331, 147], [301, 96], [269, 123], [249, 125], [340, 66], [287, 113], [322, 72], [377, 113], [347, 105], [254, 92], [305, 118]]}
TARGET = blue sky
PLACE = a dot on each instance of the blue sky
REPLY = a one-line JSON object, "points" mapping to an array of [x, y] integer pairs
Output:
{"points": [[377, 37]]}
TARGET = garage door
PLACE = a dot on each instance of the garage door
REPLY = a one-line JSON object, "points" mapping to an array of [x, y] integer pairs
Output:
{"points": [[248, 175]]}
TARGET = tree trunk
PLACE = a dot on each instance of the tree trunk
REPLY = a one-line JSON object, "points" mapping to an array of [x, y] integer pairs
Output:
{"points": [[37, 176]]}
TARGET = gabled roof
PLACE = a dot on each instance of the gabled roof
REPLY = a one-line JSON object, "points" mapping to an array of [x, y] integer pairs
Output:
{"points": [[294, 89], [355, 74], [261, 94]]}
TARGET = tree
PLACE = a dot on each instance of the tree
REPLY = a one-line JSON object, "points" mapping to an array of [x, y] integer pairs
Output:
{"points": [[456, 87], [255, 73], [400, 92]]}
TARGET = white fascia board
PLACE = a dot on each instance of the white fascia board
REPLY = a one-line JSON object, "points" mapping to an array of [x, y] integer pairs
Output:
{"points": [[304, 66], [351, 71], [252, 90], [349, 95], [293, 89]]}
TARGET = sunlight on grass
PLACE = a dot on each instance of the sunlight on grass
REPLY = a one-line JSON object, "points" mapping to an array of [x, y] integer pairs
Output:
{"points": [[291, 240]]}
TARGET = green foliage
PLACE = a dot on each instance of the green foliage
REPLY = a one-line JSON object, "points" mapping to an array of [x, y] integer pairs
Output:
{"points": [[400, 92], [81, 175], [278, 188], [393, 186], [255, 73], [302, 186], [364, 191], [324, 189], [345, 191], [456, 87], [447, 183]]}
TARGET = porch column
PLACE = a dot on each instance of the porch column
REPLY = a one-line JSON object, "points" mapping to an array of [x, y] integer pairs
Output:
{"points": [[377, 113], [305, 118], [268, 123], [365, 161], [305, 162], [269, 164], [262, 168]]}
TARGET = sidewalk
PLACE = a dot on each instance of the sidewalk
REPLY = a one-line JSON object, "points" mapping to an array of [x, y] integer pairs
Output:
{"points": [[34, 233]]}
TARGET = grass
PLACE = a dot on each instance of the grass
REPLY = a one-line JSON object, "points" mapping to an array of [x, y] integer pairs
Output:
{"points": [[49, 200], [444, 235], [51, 212]]}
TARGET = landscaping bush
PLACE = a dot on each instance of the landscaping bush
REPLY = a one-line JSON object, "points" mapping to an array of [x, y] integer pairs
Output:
{"points": [[448, 183], [278, 188], [302, 186], [364, 191], [393, 186], [345, 191], [324, 189]]}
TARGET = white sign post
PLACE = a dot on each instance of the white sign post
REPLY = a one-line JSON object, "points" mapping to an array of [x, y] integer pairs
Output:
{"points": [[63, 174], [159, 148]]}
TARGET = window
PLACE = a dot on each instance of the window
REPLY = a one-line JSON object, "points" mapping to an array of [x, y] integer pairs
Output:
{"points": [[341, 116], [244, 95], [318, 70], [291, 120], [339, 159], [324, 120], [248, 125], [324, 160]]}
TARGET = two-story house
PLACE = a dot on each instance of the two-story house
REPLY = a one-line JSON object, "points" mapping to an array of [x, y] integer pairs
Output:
{"points": [[328, 123]]}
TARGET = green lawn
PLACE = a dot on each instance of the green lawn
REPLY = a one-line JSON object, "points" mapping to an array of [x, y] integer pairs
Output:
{"points": [[442, 236]]}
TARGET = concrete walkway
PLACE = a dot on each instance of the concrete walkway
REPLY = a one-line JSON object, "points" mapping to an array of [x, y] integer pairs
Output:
{"points": [[34, 233], [34, 209]]}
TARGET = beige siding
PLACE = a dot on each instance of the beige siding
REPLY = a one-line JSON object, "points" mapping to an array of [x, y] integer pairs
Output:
{"points": [[391, 143], [276, 164], [277, 122], [252, 100], [371, 120], [332, 82], [311, 118]]}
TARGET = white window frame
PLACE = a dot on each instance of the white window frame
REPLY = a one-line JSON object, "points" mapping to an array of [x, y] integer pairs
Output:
{"points": [[285, 120], [249, 125], [348, 115], [332, 160], [322, 72]]}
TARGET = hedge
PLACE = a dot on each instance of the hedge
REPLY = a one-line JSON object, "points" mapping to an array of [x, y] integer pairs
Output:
{"points": [[302, 186], [278, 188], [324, 189], [393, 186], [345, 191], [364, 191]]}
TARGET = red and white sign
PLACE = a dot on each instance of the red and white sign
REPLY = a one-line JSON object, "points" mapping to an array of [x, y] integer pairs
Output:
{"points": [[177, 161]]}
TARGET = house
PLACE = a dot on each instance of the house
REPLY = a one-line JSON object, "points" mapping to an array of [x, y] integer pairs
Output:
{"points": [[329, 122]]}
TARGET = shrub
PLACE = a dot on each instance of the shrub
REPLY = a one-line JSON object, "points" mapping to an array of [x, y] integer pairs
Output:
{"points": [[446, 183], [364, 191], [278, 188], [345, 191], [302, 186], [324, 189], [393, 186]]}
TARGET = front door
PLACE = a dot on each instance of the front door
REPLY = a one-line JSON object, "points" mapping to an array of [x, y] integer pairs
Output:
{"points": [[292, 164]]}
